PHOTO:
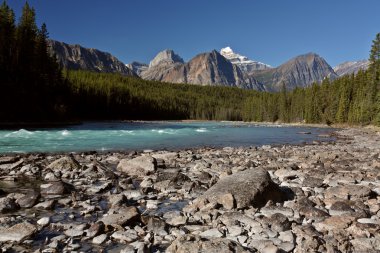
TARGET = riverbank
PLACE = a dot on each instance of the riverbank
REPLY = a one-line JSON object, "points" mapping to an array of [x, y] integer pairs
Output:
{"points": [[321, 197]]}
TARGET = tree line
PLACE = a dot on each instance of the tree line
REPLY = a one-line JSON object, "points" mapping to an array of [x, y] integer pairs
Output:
{"points": [[35, 88]]}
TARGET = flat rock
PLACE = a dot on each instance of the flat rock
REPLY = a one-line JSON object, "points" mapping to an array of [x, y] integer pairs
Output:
{"points": [[28, 200], [214, 232], [334, 223], [191, 244], [18, 232], [139, 166], [252, 187], [124, 216], [348, 192]]}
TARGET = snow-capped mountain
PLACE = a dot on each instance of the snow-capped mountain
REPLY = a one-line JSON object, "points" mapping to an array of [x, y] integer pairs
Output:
{"points": [[245, 64]]}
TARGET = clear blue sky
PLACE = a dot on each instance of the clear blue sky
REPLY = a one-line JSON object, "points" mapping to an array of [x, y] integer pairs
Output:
{"points": [[271, 31]]}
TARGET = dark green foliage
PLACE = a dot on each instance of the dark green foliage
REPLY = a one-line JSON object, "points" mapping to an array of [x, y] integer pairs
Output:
{"points": [[32, 86]]}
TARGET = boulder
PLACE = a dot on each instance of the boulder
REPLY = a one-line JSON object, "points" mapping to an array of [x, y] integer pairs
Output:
{"points": [[252, 187], [139, 166], [64, 163], [18, 232]]}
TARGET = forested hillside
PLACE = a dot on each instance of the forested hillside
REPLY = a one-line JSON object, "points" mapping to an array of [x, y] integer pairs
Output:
{"points": [[34, 88]]}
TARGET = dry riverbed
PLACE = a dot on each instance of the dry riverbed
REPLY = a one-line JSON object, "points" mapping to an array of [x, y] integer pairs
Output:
{"points": [[320, 197]]}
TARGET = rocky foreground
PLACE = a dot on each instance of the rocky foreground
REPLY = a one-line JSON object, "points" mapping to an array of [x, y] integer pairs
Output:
{"points": [[322, 197]]}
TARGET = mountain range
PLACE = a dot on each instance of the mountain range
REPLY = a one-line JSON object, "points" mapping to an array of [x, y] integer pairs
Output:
{"points": [[225, 68]]}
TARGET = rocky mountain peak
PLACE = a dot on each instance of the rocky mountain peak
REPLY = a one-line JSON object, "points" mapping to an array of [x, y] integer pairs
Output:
{"points": [[78, 57], [243, 62], [166, 56]]}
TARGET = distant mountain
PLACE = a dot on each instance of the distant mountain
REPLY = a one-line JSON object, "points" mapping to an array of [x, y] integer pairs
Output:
{"points": [[245, 64], [204, 69], [137, 67], [78, 57], [300, 71], [351, 67], [167, 57]]}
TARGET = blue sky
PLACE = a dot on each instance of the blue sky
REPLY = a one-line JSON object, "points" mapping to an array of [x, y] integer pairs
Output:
{"points": [[271, 31]]}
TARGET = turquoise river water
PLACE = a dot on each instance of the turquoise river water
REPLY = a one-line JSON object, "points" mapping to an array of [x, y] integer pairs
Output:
{"points": [[119, 136]]}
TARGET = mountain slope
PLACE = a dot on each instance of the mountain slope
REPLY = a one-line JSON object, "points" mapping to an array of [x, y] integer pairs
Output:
{"points": [[78, 57], [351, 67], [204, 69], [245, 64], [137, 67], [300, 71]]}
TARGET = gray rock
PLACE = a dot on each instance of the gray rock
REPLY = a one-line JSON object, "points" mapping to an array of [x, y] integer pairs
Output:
{"points": [[124, 216], [28, 200], [212, 233], [125, 236], [192, 244], [99, 239], [251, 187], [18, 232], [139, 166], [64, 163], [56, 188], [47, 205]]}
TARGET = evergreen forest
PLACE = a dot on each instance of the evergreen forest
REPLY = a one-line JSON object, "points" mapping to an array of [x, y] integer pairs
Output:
{"points": [[34, 88]]}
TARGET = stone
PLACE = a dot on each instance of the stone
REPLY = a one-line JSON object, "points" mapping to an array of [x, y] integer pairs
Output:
{"points": [[366, 245], [157, 226], [124, 216], [271, 210], [29, 200], [44, 221], [279, 222], [351, 192], [64, 163], [334, 223], [99, 239], [125, 236], [340, 208], [252, 187], [286, 236], [8, 205], [47, 205], [139, 166], [235, 231], [56, 188], [95, 229], [74, 232], [193, 244], [211, 233], [18, 232], [177, 221]]}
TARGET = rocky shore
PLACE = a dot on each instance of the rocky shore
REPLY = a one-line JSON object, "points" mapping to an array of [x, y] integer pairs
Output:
{"points": [[320, 197]]}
